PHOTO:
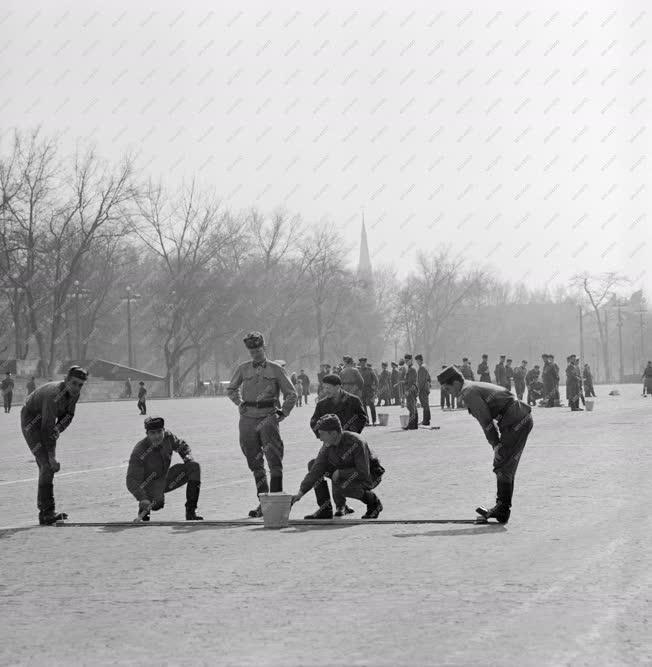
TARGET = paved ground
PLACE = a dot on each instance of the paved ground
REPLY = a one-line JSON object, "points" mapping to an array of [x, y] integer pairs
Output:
{"points": [[567, 582]]}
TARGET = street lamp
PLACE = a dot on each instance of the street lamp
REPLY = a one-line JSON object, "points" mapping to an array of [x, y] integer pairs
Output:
{"points": [[79, 293], [129, 298]]}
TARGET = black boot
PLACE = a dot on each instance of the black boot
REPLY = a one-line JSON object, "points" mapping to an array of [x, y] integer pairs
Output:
{"points": [[344, 509], [276, 483], [256, 513], [192, 498], [324, 512], [502, 509], [374, 506], [50, 517]]}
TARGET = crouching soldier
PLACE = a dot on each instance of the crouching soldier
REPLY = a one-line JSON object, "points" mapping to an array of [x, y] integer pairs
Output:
{"points": [[150, 477], [46, 414], [346, 459], [489, 403]]}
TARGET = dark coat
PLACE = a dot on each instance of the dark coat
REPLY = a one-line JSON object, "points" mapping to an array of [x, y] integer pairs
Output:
{"points": [[346, 406]]}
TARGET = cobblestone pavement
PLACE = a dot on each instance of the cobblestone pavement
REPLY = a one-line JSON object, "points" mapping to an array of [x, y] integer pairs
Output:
{"points": [[566, 582]]}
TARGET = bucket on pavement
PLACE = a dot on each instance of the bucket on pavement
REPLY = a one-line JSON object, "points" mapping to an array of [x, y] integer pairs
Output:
{"points": [[589, 405], [276, 509], [383, 418], [404, 420]]}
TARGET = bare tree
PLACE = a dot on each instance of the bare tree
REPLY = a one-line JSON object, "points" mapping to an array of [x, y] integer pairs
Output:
{"points": [[599, 290]]}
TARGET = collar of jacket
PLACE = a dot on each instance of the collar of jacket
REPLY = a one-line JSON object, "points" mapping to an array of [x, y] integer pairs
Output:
{"points": [[259, 364]]}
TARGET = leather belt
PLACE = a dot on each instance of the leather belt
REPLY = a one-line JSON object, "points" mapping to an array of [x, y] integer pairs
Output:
{"points": [[259, 404]]}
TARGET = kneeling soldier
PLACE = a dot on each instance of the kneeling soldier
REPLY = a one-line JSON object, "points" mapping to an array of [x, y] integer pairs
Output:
{"points": [[150, 477], [488, 403], [345, 458]]}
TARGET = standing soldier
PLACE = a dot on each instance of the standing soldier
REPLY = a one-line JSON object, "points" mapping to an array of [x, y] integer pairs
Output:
{"points": [[411, 393], [142, 398], [402, 370], [298, 388], [572, 385], [260, 414], [520, 373], [499, 372], [588, 381], [532, 383], [646, 377], [394, 379], [423, 387], [384, 386], [7, 391], [305, 385], [127, 389], [580, 384], [555, 380], [369, 389], [31, 385], [150, 477], [495, 408], [46, 414], [483, 369], [352, 381], [548, 385], [509, 375], [467, 372]]}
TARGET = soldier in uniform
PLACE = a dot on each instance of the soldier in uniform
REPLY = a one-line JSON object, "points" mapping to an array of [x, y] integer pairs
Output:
{"points": [[46, 414], [520, 372], [646, 377], [369, 389], [150, 477], [548, 383], [483, 369], [260, 413], [305, 385], [499, 372], [352, 381], [7, 391], [402, 370], [142, 399], [127, 389], [506, 423], [31, 385], [423, 387], [467, 372], [555, 380], [509, 375], [411, 393], [588, 381], [444, 394], [394, 379], [346, 459], [533, 385], [384, 386]]}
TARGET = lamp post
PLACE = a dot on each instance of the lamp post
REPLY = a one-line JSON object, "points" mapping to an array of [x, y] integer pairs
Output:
{"points": [[79, 293], [129, 298]]}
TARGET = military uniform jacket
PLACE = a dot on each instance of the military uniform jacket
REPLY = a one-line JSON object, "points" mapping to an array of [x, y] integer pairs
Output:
{"points": [[411, 381], [500, 374], [384, 380], [352, 378], [509, 374], [142, 393], [370, 381], [647, 373], [488, 403], [467, 372], [519, 375], [7, 386], [483, 372], [149, 465], [531, 376], [47, 412], [423, 380], [351, 452], [252, 385], [347, 407], [394, 378], [305, 381]]}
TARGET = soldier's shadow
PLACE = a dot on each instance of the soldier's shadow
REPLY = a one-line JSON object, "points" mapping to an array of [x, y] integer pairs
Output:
{"points": [[302, 529], [456, 532]]}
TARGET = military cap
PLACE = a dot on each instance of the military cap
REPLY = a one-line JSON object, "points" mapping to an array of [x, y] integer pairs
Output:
{"points": [[329, 423], [465, 358], [347, 359], [524, 361], [485, 356], [502, 356], [510, 360], [449, 375], [78, 372], [537, 366], [154, 423], [331, 378], [419, 357], [401, 362], [253, 340], [384, 364], [361, 359], [394, 364], [407, 357]]}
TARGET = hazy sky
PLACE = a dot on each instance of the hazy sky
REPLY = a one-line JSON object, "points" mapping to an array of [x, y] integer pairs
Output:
{"points": [[518, 136]]}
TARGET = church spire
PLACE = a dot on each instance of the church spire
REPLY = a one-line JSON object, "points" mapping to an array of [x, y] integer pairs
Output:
{"points": [[364, 264]]}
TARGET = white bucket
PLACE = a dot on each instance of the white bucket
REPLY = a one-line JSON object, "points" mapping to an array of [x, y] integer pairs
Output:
{"points": [[383, 418], [276, 509], [589, 405], [404, 420]]}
